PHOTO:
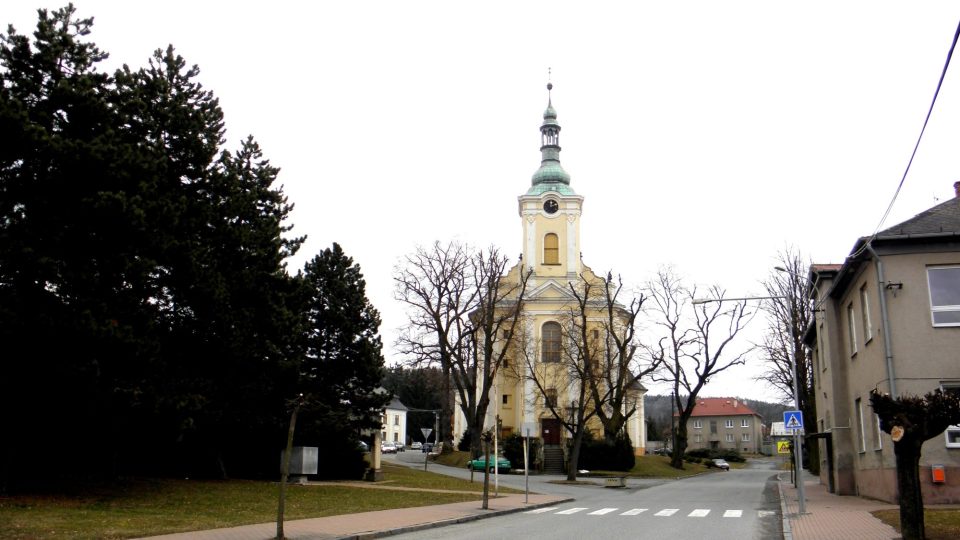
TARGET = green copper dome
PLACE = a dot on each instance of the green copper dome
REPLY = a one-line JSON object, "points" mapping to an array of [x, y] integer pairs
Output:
{"points": [[550, 176]]}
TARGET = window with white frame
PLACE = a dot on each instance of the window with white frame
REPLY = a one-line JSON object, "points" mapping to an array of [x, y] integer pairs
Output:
{"points": [[728, 424], [877, 441], [858, 406], [698, 438], [744, 422], [851, 330], [697, 424], [729, 437], [865, 313], [944, 282], [952, 433], [745, 437]]}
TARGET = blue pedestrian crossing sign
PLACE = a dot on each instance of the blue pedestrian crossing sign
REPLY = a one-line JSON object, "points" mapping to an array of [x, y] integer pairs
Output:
{"points": [[792, 420]]}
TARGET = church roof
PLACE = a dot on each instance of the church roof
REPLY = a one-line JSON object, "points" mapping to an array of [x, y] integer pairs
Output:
{"points": [[550, 176]]}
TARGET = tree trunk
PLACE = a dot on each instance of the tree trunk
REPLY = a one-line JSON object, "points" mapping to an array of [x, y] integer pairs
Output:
{"points": [[907, 452], [574, 456], [676, 459]]}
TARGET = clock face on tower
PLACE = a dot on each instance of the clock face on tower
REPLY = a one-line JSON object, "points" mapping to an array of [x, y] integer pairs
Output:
{"points": [[550, 206]]}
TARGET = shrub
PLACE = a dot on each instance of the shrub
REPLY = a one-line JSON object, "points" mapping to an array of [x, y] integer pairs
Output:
{"points": [[513, 450], [464, 444], [728, 454], [599, 454]]}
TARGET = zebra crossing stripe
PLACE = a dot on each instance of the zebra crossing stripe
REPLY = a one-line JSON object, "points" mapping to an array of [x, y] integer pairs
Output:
{"points": [[733, 513], [541, 510], [601, 512], [699, 512], [667, 512], [570, 511], [634, 512]]}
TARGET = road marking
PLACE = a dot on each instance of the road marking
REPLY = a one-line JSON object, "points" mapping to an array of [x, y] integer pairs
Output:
{"points": [[699, 512], [601, 511], [541, 510], [571, 511], [733, 513], [765, 513], [667, 512], [634, 512]]}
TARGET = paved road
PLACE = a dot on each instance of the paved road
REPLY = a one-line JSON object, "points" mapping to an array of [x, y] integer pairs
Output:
{"points": [[740, 504]]}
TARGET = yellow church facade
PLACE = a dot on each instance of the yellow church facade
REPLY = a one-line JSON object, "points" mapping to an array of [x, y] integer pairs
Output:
{"points": [[537, 370]]}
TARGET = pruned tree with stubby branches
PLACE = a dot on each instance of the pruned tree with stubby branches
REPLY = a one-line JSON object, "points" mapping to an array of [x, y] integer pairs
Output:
{"points": [[910, 421]]}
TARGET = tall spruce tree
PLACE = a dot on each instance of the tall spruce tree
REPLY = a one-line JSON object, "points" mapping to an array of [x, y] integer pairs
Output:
{"points": [[147, 319], [343, 368]]}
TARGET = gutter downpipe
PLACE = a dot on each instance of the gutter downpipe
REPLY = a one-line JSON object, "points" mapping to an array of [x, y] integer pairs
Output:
{"points": [[882, 293]]}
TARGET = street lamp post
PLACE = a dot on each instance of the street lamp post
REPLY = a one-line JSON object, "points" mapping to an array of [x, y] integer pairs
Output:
{"points": [[797, 439]]}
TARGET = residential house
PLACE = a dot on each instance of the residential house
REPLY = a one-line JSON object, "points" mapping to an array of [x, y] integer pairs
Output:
{"points": [[888, 318], [724, 424], [394, 422]]}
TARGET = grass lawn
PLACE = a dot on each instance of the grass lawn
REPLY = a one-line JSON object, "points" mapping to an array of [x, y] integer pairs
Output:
{"points": [[143, 507], [939, 524]]}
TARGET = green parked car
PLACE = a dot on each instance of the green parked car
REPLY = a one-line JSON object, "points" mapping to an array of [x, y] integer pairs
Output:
{"points": [[503, 464]]}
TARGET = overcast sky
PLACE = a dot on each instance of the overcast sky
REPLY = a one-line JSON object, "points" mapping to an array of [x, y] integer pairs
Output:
{"points": [[704, 135]]}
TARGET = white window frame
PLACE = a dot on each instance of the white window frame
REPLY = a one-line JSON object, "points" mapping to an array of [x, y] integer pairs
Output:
{"points": [[865, 308], [697, 424], [744, 422], [698, 438], [728, 423], [934, 309], [852, 330], [858, 405], [729, 437], [745, 437], [878, 439], [955, 429]]}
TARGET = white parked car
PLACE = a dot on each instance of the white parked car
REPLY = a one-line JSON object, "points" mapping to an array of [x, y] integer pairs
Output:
{"points": [[416, 445], [388, 448]]}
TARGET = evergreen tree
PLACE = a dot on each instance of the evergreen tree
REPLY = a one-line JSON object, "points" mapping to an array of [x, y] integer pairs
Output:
{"points": [[343, 366]]}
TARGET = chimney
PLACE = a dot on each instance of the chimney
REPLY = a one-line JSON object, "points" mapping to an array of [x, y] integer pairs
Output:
{"points": [[735, 404], [956, 189]]}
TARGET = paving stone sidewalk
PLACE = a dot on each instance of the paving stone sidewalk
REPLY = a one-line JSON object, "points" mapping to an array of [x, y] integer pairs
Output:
{"points": [[828, 516]]}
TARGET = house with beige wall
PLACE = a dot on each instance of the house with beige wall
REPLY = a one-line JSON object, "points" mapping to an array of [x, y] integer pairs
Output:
{"points": [[724, 424], [888, 318], [550, 212]]}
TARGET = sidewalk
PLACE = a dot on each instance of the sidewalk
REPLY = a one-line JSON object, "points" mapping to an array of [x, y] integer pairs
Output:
{"points": [[828, 516], [375, 524]]}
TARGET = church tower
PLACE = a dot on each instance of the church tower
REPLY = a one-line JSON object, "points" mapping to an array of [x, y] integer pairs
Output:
{"points": [[550, 210]]}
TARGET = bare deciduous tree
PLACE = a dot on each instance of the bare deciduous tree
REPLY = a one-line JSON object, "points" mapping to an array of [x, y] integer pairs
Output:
{"points": [[695, 343], [464, 307], [789, 313], [621, 369]]}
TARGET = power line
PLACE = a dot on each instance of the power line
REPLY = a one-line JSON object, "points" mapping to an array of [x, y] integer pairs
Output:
{"points": [[896, 193]]}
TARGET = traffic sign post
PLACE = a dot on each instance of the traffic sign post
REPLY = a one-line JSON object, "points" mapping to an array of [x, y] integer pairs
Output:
{"points": [[793, 420]]}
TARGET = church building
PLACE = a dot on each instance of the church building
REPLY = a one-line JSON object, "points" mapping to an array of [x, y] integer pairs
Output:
{"points": [[550, 212]]}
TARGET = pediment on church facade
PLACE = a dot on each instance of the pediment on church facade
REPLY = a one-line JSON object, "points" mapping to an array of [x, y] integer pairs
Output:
{"points": [[551, 290]]}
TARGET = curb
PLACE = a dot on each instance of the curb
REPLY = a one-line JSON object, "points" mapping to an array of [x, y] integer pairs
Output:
{"points": [[446, 522], [787, 531]]}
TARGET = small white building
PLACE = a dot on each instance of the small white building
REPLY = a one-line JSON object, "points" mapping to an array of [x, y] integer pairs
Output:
{"points": [[394, 422]]}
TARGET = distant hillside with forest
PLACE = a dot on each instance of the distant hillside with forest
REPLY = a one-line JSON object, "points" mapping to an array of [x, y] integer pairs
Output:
{"points": [[658, 412]]}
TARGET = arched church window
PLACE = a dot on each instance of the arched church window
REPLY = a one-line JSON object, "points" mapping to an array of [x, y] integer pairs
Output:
{"points": [[551, 342], [551, 249]]}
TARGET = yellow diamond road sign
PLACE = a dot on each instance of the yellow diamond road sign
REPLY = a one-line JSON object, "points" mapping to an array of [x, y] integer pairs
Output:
{"points": [[783, 447]]}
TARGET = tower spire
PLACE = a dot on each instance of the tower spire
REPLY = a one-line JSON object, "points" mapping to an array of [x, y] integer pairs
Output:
{"points": [[551, 173]]}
